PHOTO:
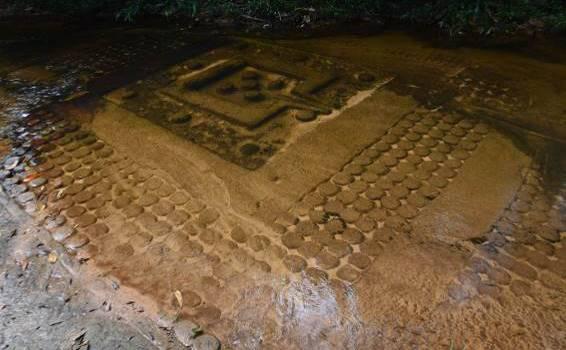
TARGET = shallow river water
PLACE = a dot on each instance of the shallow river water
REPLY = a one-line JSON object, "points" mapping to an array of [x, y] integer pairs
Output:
{"points": [[337, 192]]}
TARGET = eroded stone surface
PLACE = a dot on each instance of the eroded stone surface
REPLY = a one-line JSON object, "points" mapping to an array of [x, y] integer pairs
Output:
{"points": [[159, 239], [240, 110]]}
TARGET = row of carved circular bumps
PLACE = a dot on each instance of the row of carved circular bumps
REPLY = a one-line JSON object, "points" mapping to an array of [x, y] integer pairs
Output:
{"points": [[339, 227]]}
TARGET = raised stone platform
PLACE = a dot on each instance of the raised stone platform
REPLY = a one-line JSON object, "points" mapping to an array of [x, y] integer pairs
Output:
{"points": [[245, 102], [322, 214]]}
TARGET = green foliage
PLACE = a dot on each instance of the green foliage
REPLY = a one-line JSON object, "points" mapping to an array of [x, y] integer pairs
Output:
{"points": [[166, 8], [68, 6], [453, 16], [488, 16]]}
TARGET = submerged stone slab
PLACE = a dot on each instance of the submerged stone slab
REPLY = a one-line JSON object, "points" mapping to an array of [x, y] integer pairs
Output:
{"points": [[488, 182], [244, 103]]}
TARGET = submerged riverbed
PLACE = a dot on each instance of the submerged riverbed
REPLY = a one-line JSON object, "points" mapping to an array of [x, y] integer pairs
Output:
{"points": [[337, 192]]}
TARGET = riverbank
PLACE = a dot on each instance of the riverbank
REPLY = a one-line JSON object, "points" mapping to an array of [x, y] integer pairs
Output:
{"points": [[455, 19]]}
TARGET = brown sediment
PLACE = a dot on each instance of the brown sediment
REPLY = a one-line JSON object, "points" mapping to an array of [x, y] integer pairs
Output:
{"points": [[401, 219]]}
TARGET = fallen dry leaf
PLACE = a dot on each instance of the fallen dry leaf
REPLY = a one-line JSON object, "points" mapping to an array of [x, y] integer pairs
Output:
{"points": [[179, 298], [52, 257]]}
